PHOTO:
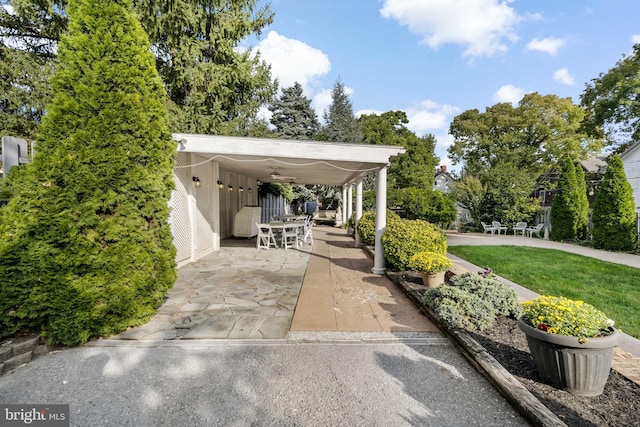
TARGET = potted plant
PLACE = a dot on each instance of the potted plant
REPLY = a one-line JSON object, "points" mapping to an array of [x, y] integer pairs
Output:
{"points": [[431, 265], [571, 343]]}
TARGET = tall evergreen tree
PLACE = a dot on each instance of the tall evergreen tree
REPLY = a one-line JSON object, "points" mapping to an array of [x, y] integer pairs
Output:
{"points": [[564, 216], [582, 205], [293, 116], [212, 85], [614, 217], [85, 244], [340, 123]]}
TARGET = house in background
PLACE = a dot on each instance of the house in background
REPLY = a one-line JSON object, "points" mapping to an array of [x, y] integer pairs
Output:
{"points": [[443, 181], [631, 162]]}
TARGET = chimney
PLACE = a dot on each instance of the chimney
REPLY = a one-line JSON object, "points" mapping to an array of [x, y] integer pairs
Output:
{"points": [[443, 168]]}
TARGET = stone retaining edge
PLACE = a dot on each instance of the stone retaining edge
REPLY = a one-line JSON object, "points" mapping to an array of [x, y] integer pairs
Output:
{"points": [[14, 354], [513, 390]]}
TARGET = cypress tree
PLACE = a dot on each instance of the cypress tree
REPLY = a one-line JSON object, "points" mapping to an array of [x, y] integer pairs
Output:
{"points": [[340, 123], [563, 209], [85, 245], [614, 217], [582, 205], [293, 116]]}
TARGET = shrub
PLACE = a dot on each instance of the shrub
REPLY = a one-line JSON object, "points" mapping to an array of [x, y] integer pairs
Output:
{"points": [[472, 302], [367, 225], [405, 237], [501, 296], [614, 217], [429, 262], [564, 214], [85, 244], [458, 308]]}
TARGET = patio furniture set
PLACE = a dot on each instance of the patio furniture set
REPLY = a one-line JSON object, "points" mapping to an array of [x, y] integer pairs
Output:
{"points": [[519, 227], [286, 231]]}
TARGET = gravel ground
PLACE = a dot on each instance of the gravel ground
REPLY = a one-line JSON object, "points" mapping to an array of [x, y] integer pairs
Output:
{"points": [[619, 405]]}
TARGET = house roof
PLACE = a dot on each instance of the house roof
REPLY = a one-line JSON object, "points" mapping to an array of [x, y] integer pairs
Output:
{"points": [[594, 164], [629, 150], [302, 162]]}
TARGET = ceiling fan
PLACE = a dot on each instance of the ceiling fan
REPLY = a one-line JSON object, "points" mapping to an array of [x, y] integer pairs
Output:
{"points": [[276, 176]]}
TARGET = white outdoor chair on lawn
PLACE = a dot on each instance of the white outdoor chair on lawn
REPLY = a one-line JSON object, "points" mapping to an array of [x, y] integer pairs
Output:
{"points": [[537, 229], [499, 227], [520, 227], [487, 228], [266, 238]]}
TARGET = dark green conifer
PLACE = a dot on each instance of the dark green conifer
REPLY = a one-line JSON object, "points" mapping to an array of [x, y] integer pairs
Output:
{"points": [[563, 209], [85, 245], [614, 217], [293, 116], [582, 205]]}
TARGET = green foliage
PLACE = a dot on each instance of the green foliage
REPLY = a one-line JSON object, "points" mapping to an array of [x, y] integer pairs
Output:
{"points": [[85, 244], [411, 169], [564, 209], [340, 123], [367, 225], [429, 262], [614, 217], [432, 206], [457, 308], [403, 238], [582, 205], [279, 189], [213, 86], [472, 302], [501, 296], [470, 192], [508, 197], [612, 103], [293, 116]]}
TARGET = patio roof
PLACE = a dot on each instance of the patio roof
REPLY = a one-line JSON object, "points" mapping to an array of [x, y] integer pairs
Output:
{"points": [[301, 162]]}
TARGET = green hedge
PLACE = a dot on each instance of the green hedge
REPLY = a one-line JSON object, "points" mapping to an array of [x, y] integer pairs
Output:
{"points": [[367, 226], [403, 238]]}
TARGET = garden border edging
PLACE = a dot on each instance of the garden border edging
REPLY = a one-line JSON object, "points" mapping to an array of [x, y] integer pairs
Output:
{"points": [[517, 394]]}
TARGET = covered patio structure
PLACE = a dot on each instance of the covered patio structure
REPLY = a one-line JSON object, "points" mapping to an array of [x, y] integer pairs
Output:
{"points": [[216, 176]]}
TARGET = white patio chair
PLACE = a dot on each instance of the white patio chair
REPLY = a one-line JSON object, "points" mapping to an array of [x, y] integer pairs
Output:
{"points": [[487, 228], [520, 227], [499, 227], [536, 229], [266, 238], [308, 233], [290, 235]]}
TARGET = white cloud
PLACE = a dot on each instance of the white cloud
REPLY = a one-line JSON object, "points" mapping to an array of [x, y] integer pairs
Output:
{"points": [[428, 116], [293, 61], [483, 26], [508, 93], [635, 38], [563, 76], [550, 45], [8, 8]]}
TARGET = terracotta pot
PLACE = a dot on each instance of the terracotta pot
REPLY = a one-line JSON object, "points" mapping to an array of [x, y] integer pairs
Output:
{"points": [[432, 280], [565, 363]]}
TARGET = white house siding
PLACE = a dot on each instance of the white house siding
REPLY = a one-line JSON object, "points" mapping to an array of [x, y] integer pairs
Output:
{"points": [[631, 161]]}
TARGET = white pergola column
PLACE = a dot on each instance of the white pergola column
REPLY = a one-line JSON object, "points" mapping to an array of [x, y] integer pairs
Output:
{"points": [[358, 211], [349, 202], [381, 221], [344, 204]]}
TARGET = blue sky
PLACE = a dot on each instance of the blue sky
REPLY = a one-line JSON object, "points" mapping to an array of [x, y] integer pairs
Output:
{"points": [[437, 58]]}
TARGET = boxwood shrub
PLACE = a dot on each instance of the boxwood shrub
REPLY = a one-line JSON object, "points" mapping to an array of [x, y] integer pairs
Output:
{"points": [[405, 237], [367, 225]]}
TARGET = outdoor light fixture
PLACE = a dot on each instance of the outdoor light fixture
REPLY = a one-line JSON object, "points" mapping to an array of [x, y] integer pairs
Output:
{"points": [[250, 190], [196, 182], [220, 184], [230, 187], [240, 189]]}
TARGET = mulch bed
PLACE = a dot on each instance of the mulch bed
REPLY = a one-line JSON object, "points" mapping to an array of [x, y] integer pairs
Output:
{"points": [[619, 405]]}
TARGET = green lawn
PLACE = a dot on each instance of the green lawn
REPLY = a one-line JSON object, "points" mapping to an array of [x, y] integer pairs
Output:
{"points": [[613, 288]]}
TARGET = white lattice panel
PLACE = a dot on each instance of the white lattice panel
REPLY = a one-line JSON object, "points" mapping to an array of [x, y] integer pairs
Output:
{"points": [[179, 218]]}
